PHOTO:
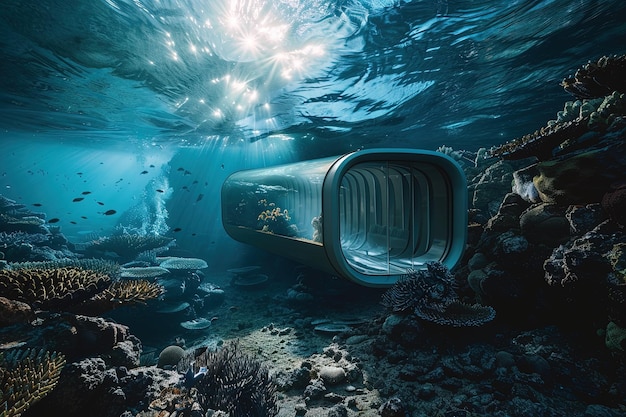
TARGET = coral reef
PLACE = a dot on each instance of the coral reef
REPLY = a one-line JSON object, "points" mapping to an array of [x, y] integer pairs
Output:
{"points": [[102, 266], [51, 289], [273, 219], [598, 79], [73, 289], [600, 88], [127, 246], [178, 263], [144, 272], [26, 376], [234, 382], [430, 295]]}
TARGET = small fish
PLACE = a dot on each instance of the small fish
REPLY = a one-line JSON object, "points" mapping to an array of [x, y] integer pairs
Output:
{"points": [[37, 204], [77, 199], [159, 190], [120, 180], [185, 188], [83, 217], [79, 173], [193, 234], [101, 203], [143, 172], [178, 229], [181, 169], [194, 182], [200, 196], [109, 212], [151, 166], [86, 192], [73, 222], [53, 220], [186, 173], [222, 166]]}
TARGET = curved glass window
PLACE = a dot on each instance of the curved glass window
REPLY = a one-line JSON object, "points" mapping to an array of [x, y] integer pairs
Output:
{"points": [[367, 216]]}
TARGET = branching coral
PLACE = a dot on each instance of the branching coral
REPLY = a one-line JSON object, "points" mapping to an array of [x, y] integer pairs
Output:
{"points": [[120, 293], [430, 295], [51, 289], [73, 289], [26, 376], [102, 266], [234, 382]]}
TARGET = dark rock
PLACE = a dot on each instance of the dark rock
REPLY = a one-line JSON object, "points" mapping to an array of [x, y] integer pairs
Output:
{"points": [[614, 203], [12, 312], [338, 410], [392, 408], [315, 390], [545, 223], [583, 219]]}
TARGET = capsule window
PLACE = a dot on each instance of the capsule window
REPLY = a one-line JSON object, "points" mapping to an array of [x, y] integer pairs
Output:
{"points": [[367, 216]]}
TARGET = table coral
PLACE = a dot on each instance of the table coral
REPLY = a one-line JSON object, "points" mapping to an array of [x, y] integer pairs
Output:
{"points": [[597, 79], [599, 88]]}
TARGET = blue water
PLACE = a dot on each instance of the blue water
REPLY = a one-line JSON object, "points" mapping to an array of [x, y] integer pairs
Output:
{"points": [[112, 88]]}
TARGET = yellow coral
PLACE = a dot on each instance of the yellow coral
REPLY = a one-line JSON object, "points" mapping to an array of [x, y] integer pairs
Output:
{"points": [[26, 376], [51, 287]]}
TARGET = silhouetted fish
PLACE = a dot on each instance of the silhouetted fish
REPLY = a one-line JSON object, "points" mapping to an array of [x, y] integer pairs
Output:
{"points": [[186, 173], [109, 212], [159, 190], [101, 203], [83, 217], [73, 222], [86, 192], [143, 172], [200, 196], [37, 204], [180, 169], [178, 229], [151, 166], [53, 220], [77, 199]]}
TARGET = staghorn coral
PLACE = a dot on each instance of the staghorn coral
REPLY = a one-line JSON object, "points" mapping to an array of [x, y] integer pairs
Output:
{"points": [[102, 266], [51, 289], [128, 246], [73, 289], [120, 293], [597, 79], [234, 382], [26, 376], [430, 295]]}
